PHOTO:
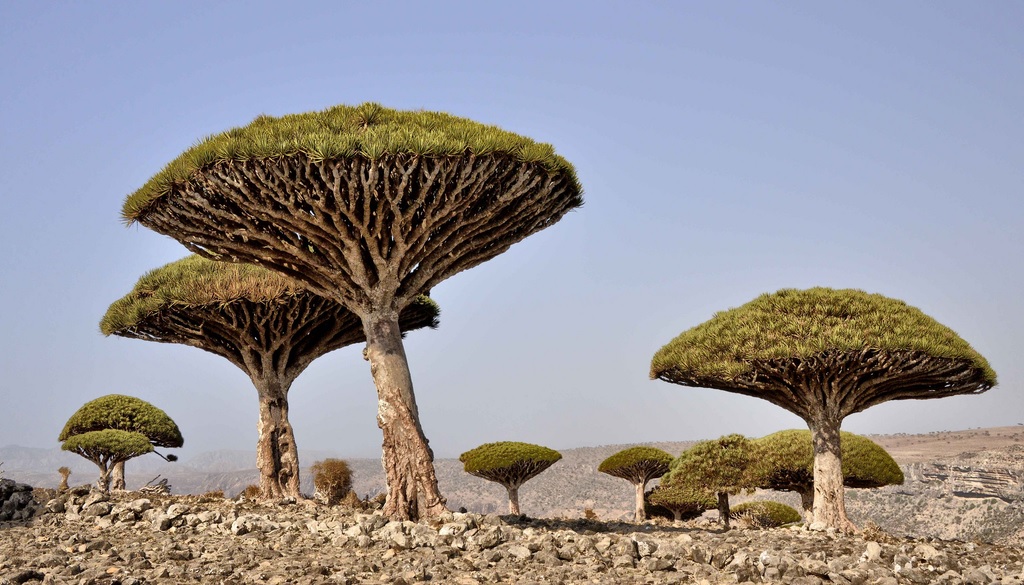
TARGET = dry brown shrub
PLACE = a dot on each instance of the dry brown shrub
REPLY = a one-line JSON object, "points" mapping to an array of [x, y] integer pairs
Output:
{"points": [[332, 479]]}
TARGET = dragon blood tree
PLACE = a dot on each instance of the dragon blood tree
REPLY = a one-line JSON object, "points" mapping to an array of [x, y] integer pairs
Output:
{"points": [[108, 448], [265, 323], [784, 461], [721, 466], [682, 501], [637, 465], [510, 464], [129, 414], [370, 207], [824, 354]]}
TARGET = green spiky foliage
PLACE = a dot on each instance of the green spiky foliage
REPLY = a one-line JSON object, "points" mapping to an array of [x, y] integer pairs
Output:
{"points": [[107, 448], [824, 354], [124, 413], [370, 207], [792, 325], [682, 501], [368, 130], [785, 461], [722, 466], [637, 465], [766, 513], [510, 464]]}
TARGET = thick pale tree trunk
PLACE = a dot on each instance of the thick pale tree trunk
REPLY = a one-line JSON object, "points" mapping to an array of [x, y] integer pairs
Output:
{"points": [[513, 499], [829, 494], [277, 456], [723, 509], [117, 482], [807, 503], [408, 461], [103, 483], [639, 514]]}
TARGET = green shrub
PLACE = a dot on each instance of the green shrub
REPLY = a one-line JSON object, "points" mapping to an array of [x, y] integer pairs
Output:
{"points": [[766, 514], [678, 502], [332, 479]]}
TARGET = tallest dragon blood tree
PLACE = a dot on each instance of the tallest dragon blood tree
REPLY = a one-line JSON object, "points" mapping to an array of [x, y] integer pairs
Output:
{"points": [[370, 207], [824, 354]]}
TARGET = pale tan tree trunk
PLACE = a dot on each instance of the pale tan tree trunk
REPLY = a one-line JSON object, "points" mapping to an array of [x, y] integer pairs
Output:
{"points": [[723, 509], [407, 459], [277, 456], [807, 503], [103, 483], [639, 514], [677, 515], [513, 499], [829, 494], [117, 482]]}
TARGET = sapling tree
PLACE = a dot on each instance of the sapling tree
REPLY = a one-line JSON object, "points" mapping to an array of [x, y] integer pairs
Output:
{"points": [[784, 461], [107, 448], [824, 354], [125, 413], [682, 499], [510, 464], [721, 466], [263, 322], [637, 465], [370, 207]]}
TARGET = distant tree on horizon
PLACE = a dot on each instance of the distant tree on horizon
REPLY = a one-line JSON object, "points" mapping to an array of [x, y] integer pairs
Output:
{"points": [[637, 465], [266, 324], [824, 354], [784, 461], [721, 466], [370, 207], [510, 464], [124, 413]]}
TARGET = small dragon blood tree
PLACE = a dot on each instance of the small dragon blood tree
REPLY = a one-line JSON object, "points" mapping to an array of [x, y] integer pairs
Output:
{"points": [[721, 466], [784, 461], [824, 354], [370, 207], [510, 464], [683, 501], [124, 413], [265, 323], [107, 448], [637, 465]]}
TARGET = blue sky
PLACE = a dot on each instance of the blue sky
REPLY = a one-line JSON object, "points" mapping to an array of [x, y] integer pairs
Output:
{"points": [[726, 150]]}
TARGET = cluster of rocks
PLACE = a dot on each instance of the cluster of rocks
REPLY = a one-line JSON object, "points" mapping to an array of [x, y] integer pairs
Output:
{"points": [[16, 501], [90, 538]]}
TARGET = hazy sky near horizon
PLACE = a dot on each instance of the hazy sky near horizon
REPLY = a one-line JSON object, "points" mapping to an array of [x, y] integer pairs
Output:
{"points": [[725, 149]]}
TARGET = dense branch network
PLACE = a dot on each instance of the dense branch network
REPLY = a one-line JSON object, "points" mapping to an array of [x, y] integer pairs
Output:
{"points": [[278, 338], [365, 232]]}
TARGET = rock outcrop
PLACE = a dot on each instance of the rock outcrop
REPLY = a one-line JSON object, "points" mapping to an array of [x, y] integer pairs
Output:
{"points": [[16, 502]]}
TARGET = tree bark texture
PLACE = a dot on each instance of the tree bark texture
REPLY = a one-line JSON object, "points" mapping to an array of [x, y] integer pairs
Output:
{"points": [[723, 509], [117, 482], [829, 493], [277, 456], [408, 461], [807, 505], [639, 513], [513, 499]]}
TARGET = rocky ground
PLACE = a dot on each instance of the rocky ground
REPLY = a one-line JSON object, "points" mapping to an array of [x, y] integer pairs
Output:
{"points": [[88, 538]]}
